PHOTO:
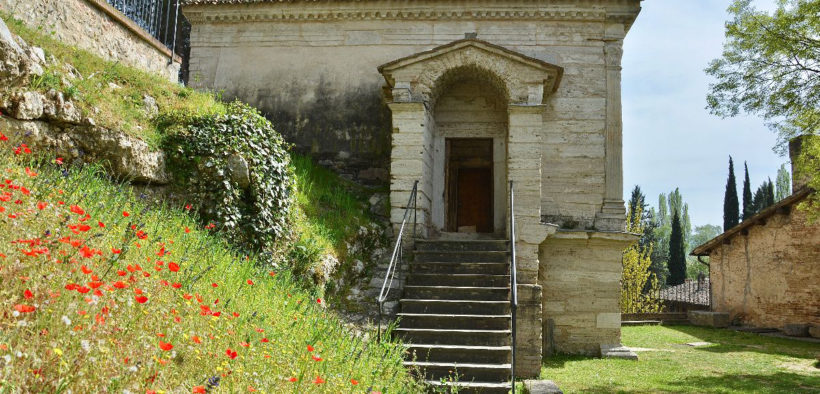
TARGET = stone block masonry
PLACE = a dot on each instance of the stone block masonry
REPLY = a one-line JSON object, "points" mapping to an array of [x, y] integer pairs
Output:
{"points": [[97, 27]]}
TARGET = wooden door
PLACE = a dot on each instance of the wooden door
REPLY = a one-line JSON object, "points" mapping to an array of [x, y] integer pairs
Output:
{"points": [[474, 206], [469, 185]]}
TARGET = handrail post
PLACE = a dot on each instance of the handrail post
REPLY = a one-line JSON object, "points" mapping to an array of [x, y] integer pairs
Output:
{"points": [[395, 257], [513, 287]]}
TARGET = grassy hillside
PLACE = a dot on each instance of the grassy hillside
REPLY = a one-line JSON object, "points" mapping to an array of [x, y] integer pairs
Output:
{"points": [[110, 92], [99, 291]]}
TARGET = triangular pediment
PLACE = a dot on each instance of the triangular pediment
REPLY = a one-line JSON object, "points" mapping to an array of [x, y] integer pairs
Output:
{"points": [[470, 45]]}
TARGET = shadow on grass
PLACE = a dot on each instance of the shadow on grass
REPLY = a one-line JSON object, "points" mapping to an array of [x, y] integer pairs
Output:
{"points": [[778, 382], [728, 341]]}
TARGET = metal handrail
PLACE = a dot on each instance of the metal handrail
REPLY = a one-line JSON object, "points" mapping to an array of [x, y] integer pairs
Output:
{"points": [[396, 257], [513, 283]]}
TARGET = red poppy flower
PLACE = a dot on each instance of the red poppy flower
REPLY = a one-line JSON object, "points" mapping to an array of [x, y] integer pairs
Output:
{"points": [[120, 284], [315, 358], [101, 224], [76, 209], [196, 339], [116, 251], [187, 296], [141, 299], [28, 294], [250, 282], [292, 380], [176, 285], [244, 344], [272, 273], [354, 382], [231, 353], [83, 289], [214, 285], [318, 300], [71, 286], [95, 284], [125, 214], [188, 207], [310, 348], [121, 273], [318, 380], [24, 308], [166, 346], [173, 267], [264, 340], [42, 205], [59, 161], [86, 270], [199, 390]]}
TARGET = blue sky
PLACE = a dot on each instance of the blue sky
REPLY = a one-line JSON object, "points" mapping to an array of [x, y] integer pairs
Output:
{"points": [[670, 140]]}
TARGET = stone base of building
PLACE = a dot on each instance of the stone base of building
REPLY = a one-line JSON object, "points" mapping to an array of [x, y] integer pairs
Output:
{"points": [[580, 274]]}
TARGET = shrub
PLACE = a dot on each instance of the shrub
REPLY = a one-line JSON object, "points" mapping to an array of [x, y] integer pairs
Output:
{"points": [[235, 167]]}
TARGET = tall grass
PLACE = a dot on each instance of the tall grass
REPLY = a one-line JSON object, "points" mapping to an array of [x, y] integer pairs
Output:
{"points": [[72, 316]]}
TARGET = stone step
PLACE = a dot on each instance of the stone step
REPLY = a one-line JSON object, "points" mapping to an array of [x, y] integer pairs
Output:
{"points": [[455, 306], [483, 322], [502, 268], [439, 336], [459, 353], [424, 256], [457, 293], [459, 280], [470, 387], [466, 245], [466, 372]]}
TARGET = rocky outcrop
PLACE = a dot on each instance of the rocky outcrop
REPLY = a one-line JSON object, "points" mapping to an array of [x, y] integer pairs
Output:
{"points": [[49, 122], [125, 157]]}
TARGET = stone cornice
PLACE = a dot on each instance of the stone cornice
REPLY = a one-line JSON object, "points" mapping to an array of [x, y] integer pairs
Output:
{"points": [[240, 11]]}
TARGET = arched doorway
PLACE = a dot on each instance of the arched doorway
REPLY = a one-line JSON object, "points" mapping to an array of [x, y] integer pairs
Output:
{"points": [[469, 153]]}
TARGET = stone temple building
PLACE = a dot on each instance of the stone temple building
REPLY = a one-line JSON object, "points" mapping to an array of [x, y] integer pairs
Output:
{"points": [[463, 96]]}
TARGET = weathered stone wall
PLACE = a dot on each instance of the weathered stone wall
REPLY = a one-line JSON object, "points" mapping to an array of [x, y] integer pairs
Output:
{"points": [[311, 67], [581, 274], [770, 277], [95, 26]]}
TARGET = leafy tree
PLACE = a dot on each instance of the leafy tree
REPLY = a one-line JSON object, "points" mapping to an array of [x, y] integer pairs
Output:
{"points": [[700, 236], [639, 285], [730, 203], [677, 259], [663, 213], [770, 66], [748, 209], [783, 183]]}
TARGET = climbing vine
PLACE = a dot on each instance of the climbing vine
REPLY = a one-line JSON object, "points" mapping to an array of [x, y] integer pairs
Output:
{"points": [[236, 169]]}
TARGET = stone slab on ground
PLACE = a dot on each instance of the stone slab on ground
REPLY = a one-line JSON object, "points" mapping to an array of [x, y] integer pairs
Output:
{"points": [[699, 344], [814, 331], [541, 387], [709, 319], [618, 351], [796, 330]]}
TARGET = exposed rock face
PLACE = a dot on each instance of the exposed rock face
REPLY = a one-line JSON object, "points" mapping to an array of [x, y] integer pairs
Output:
{"points": [[239, 170], [50, 122], [17, 63], [125, 156]]}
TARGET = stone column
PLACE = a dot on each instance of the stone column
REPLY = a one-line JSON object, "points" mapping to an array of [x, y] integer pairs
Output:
{"points": [[613, 214], [524, 169], [409, 162]]}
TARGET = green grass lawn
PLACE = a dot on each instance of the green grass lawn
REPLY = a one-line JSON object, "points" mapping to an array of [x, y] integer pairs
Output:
{"points": [[735, 363]]}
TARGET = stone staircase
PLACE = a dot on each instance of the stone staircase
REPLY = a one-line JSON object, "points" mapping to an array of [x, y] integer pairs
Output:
{"points": [[455, 315]]}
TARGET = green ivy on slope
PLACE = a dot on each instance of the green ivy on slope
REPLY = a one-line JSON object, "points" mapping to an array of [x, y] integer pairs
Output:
{"points": [[236, 168]]}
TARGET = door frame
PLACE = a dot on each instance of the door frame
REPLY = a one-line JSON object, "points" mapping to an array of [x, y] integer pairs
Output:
{"points": [[451, 195]]}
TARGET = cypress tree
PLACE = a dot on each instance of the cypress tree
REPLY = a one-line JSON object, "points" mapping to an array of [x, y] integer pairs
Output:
{"points": [[730, 204], [677, 259], [748, 209], [769, 193]]}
